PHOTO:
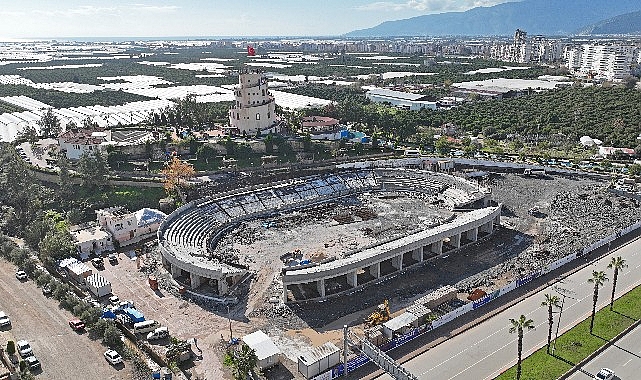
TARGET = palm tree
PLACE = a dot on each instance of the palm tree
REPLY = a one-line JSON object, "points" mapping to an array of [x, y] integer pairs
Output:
{"points": [[551, 302], [617, 263], [518, 325], [598, 279]]}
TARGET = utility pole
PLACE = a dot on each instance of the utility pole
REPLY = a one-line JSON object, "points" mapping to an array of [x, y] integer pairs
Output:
{"points": [[345, 345]]}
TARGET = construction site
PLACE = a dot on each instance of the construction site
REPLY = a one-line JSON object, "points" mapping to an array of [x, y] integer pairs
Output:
{"points": [[382, 250]]}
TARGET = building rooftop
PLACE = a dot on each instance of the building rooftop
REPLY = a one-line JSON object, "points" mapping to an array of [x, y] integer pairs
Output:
{"points": [[401, 321], [261, 344], [400, 95], [318, 353]]}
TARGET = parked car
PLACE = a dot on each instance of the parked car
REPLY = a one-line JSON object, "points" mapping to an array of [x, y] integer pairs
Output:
{"points": [[46, 290], [21, 275], [32, 362], [77, 324], [24, 348], [113, 259], [113, 357], [98, 262], [605, 374], [4, 320], [159, 333]]}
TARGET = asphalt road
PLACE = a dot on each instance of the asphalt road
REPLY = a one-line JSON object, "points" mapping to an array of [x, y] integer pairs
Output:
{"points": [[63, 353], [488, 349], [623, 357]]}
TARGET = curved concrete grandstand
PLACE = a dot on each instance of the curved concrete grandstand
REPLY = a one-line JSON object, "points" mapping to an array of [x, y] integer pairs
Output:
{"points": [[189, 235]]}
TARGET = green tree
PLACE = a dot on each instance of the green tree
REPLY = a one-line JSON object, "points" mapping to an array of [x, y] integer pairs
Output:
{"points": [[112, 337], [635, 169], [11, 348], [57, 245], [443, 145], [616, 263], [93, 170], [241, 361], [598, 279], [518, 325], [551, 302], [49, 124], [205, 152]]}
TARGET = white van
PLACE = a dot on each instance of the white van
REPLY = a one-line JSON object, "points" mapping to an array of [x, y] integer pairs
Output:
{"points": [[159, 333], [145, 326]]}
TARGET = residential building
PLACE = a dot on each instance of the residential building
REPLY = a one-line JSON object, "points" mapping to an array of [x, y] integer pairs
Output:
{"points": [[91, 239], [319, 124], [128, 227], [601, 61], [254, 108], [77, 142]]}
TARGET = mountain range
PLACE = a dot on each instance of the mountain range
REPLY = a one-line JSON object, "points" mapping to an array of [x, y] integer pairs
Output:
{"points": [[546, 17]]}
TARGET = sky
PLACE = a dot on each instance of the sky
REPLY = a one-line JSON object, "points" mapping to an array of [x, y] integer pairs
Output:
{"points": [[27, 19]]}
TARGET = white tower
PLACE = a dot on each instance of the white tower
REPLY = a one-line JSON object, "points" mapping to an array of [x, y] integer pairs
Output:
{"points": [[254, 109]]}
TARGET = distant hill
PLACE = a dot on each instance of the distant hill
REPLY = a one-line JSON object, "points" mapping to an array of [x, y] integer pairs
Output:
{"points": [[547, 17], [629, 23]]}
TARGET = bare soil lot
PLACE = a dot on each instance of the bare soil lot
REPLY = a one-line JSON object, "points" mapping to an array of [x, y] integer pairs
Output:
{"points": [[63, 353]]}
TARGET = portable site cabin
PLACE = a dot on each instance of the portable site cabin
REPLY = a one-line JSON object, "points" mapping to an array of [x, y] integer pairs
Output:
{"points": [[135, 315], [78, 271], [266, 351], [98, 285], [399, 325], [318, 360]]}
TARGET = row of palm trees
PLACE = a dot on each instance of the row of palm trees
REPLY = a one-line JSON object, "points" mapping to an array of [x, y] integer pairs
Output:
{"points": [[552, 301]]}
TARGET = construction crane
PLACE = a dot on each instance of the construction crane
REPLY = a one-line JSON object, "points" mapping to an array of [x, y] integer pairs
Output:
{"points": [[379, 316]]}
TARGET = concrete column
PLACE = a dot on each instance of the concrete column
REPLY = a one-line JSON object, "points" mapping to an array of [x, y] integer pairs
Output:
{"points": [[456, 240], [417, 254], [320, 286], [473, 234], [488, 227], [195, 280], [437, 247], [175, 271], [497, 220], [352, 279], [375, 270], [222, 286], [397, 262]]}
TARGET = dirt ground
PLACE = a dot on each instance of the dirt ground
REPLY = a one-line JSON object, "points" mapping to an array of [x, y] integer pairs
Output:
{"points": [[63, 353]]}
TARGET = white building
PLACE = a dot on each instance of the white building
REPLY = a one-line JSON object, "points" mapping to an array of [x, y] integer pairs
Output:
{"points": [[400, 99], [77, 142], [267, 352], [609, 62], [255, 107], [128, 227], [91, 240]]}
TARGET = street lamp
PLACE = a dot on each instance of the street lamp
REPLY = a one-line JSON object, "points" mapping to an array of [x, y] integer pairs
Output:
{"points": [[565, 293]]}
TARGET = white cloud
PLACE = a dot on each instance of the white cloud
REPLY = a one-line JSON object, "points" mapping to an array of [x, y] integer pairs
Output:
{"points": [[429, 6], [88, 10]]}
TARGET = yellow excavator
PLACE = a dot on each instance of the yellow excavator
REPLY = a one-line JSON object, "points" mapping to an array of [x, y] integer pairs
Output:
{"points": [[379, 316]]}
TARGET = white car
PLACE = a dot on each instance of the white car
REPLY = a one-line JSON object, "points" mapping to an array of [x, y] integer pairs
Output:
{"points": [[605, 374], [113, 357], [114, 300], [24, 348], [4, 319], [32, 362], [159, 333], [21, 275]]}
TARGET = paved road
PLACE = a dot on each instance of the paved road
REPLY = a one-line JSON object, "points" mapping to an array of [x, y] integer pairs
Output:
{"points": [[486, 350], [37, 319], [624, 358]]}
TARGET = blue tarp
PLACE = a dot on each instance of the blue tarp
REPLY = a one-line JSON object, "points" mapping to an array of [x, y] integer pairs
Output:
{"points": [[135, 315], [108, 314]]}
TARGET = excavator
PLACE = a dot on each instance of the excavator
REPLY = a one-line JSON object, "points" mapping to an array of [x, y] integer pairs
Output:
{"points": [[379, 316]]}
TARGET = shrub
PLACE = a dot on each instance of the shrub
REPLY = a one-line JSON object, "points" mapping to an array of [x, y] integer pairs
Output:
{"points": [[11, 347]]}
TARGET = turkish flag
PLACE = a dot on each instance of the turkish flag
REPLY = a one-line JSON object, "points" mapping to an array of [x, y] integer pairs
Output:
{"points": [[250, 51]]}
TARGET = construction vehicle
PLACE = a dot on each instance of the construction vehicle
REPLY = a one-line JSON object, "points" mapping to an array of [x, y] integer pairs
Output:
{"points": [[379, 316]]}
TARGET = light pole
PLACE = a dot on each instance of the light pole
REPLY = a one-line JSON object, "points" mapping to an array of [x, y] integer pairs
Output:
{"points": [[231, 337], [563, 293]]}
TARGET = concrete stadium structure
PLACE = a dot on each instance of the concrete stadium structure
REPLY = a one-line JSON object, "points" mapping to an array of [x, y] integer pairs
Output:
{"points": [[188, 236]]}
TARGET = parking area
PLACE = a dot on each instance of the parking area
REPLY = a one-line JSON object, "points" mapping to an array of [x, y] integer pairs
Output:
{"points": [[185, 320], [63, 353]]}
